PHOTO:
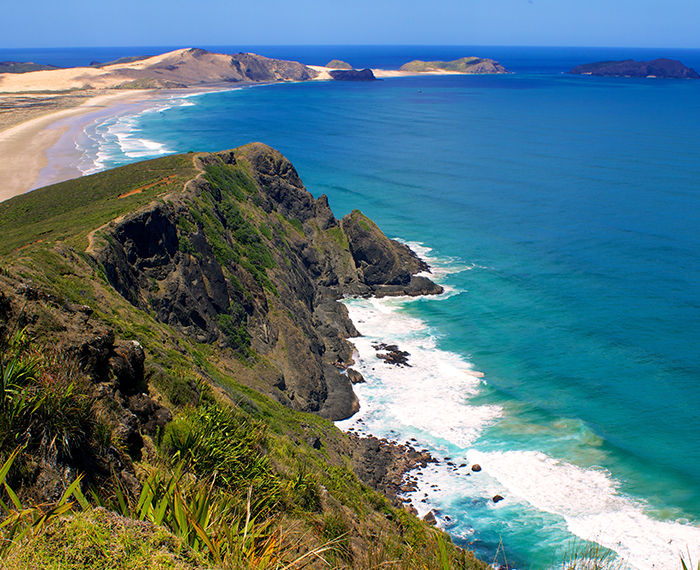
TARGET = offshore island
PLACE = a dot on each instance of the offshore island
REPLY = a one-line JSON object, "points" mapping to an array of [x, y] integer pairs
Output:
{"points": [[173, 349], [662, 68]]}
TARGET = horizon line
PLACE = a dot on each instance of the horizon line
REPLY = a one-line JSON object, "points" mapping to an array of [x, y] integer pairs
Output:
{"points": [[190, 45]]}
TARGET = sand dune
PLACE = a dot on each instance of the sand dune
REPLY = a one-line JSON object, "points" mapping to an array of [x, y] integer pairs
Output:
{"points": [[179, 68]]}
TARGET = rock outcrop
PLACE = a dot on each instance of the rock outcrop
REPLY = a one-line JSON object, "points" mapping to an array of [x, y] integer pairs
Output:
{"points": [[246, 258], [115, 382], [353, 75], [657, 68]]}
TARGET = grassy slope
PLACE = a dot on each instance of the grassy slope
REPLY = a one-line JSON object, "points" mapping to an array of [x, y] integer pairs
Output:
{"points": [[69, 210], [44, 237]]}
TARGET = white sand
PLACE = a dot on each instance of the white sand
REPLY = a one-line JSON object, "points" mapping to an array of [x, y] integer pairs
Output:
{"points": [[23, 147]]}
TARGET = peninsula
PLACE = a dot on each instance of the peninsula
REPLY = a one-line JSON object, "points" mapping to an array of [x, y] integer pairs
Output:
{"points": [[178, 320], [657, 68]]}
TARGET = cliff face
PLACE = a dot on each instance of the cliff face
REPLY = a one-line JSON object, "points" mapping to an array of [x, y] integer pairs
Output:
{"points": [[248, 259], [156, 316]]}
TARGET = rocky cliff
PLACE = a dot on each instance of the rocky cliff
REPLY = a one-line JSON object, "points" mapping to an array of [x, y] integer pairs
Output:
{"points": [[246, 258], [172, 321]]}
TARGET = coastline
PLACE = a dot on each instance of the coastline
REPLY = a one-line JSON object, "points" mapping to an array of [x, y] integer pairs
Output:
{"points": [[59, 144], [41, 150], [25, 146]]}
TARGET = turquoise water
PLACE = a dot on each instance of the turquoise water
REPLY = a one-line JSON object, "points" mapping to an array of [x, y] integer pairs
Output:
{"points": [[562, 215]]}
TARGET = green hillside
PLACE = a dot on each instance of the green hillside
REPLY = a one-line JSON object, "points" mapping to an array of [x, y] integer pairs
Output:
{"points": [[172, 354]]}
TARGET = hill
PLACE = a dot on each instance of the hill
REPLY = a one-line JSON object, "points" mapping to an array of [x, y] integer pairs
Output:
{"points": [[657, 68], [165, 329], [338, 64], [179, 68], [467, 65]]}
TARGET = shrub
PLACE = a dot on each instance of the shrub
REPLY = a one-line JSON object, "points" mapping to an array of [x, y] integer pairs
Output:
{"points": [[228, 445], [44, 402]]}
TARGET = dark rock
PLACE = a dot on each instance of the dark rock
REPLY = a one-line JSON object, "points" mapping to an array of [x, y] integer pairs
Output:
{"points": [[141, 405], [187, 282], [353, 75], [355, 376], [126, 364], [314, 442], [497, 498], [430, 518], [383, 465], [391, 354], [129, 435], [476, 467]]}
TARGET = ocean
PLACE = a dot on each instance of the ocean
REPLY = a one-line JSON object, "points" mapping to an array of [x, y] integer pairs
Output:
{"points": [[561, 214]]}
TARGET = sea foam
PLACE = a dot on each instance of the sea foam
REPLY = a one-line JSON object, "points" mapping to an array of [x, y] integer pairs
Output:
{"points": [[117, 139], [430, 401]]}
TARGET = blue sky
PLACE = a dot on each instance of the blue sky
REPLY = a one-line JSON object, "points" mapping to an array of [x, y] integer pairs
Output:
{"points": [[640, 23]]}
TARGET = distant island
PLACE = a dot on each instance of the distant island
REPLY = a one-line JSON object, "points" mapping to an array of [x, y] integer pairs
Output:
{"points": [[475, 65], [338, 64], [657, 68]]}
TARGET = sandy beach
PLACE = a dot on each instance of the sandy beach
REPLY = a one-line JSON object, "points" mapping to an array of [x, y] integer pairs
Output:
{"points": [[35, 122], [24, 147]]}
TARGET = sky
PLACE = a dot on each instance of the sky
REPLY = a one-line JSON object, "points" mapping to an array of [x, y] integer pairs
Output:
{"points": [[607, 23]]}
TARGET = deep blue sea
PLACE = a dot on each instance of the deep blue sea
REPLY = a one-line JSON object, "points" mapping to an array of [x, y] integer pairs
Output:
{"points": [[562, 214]]}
